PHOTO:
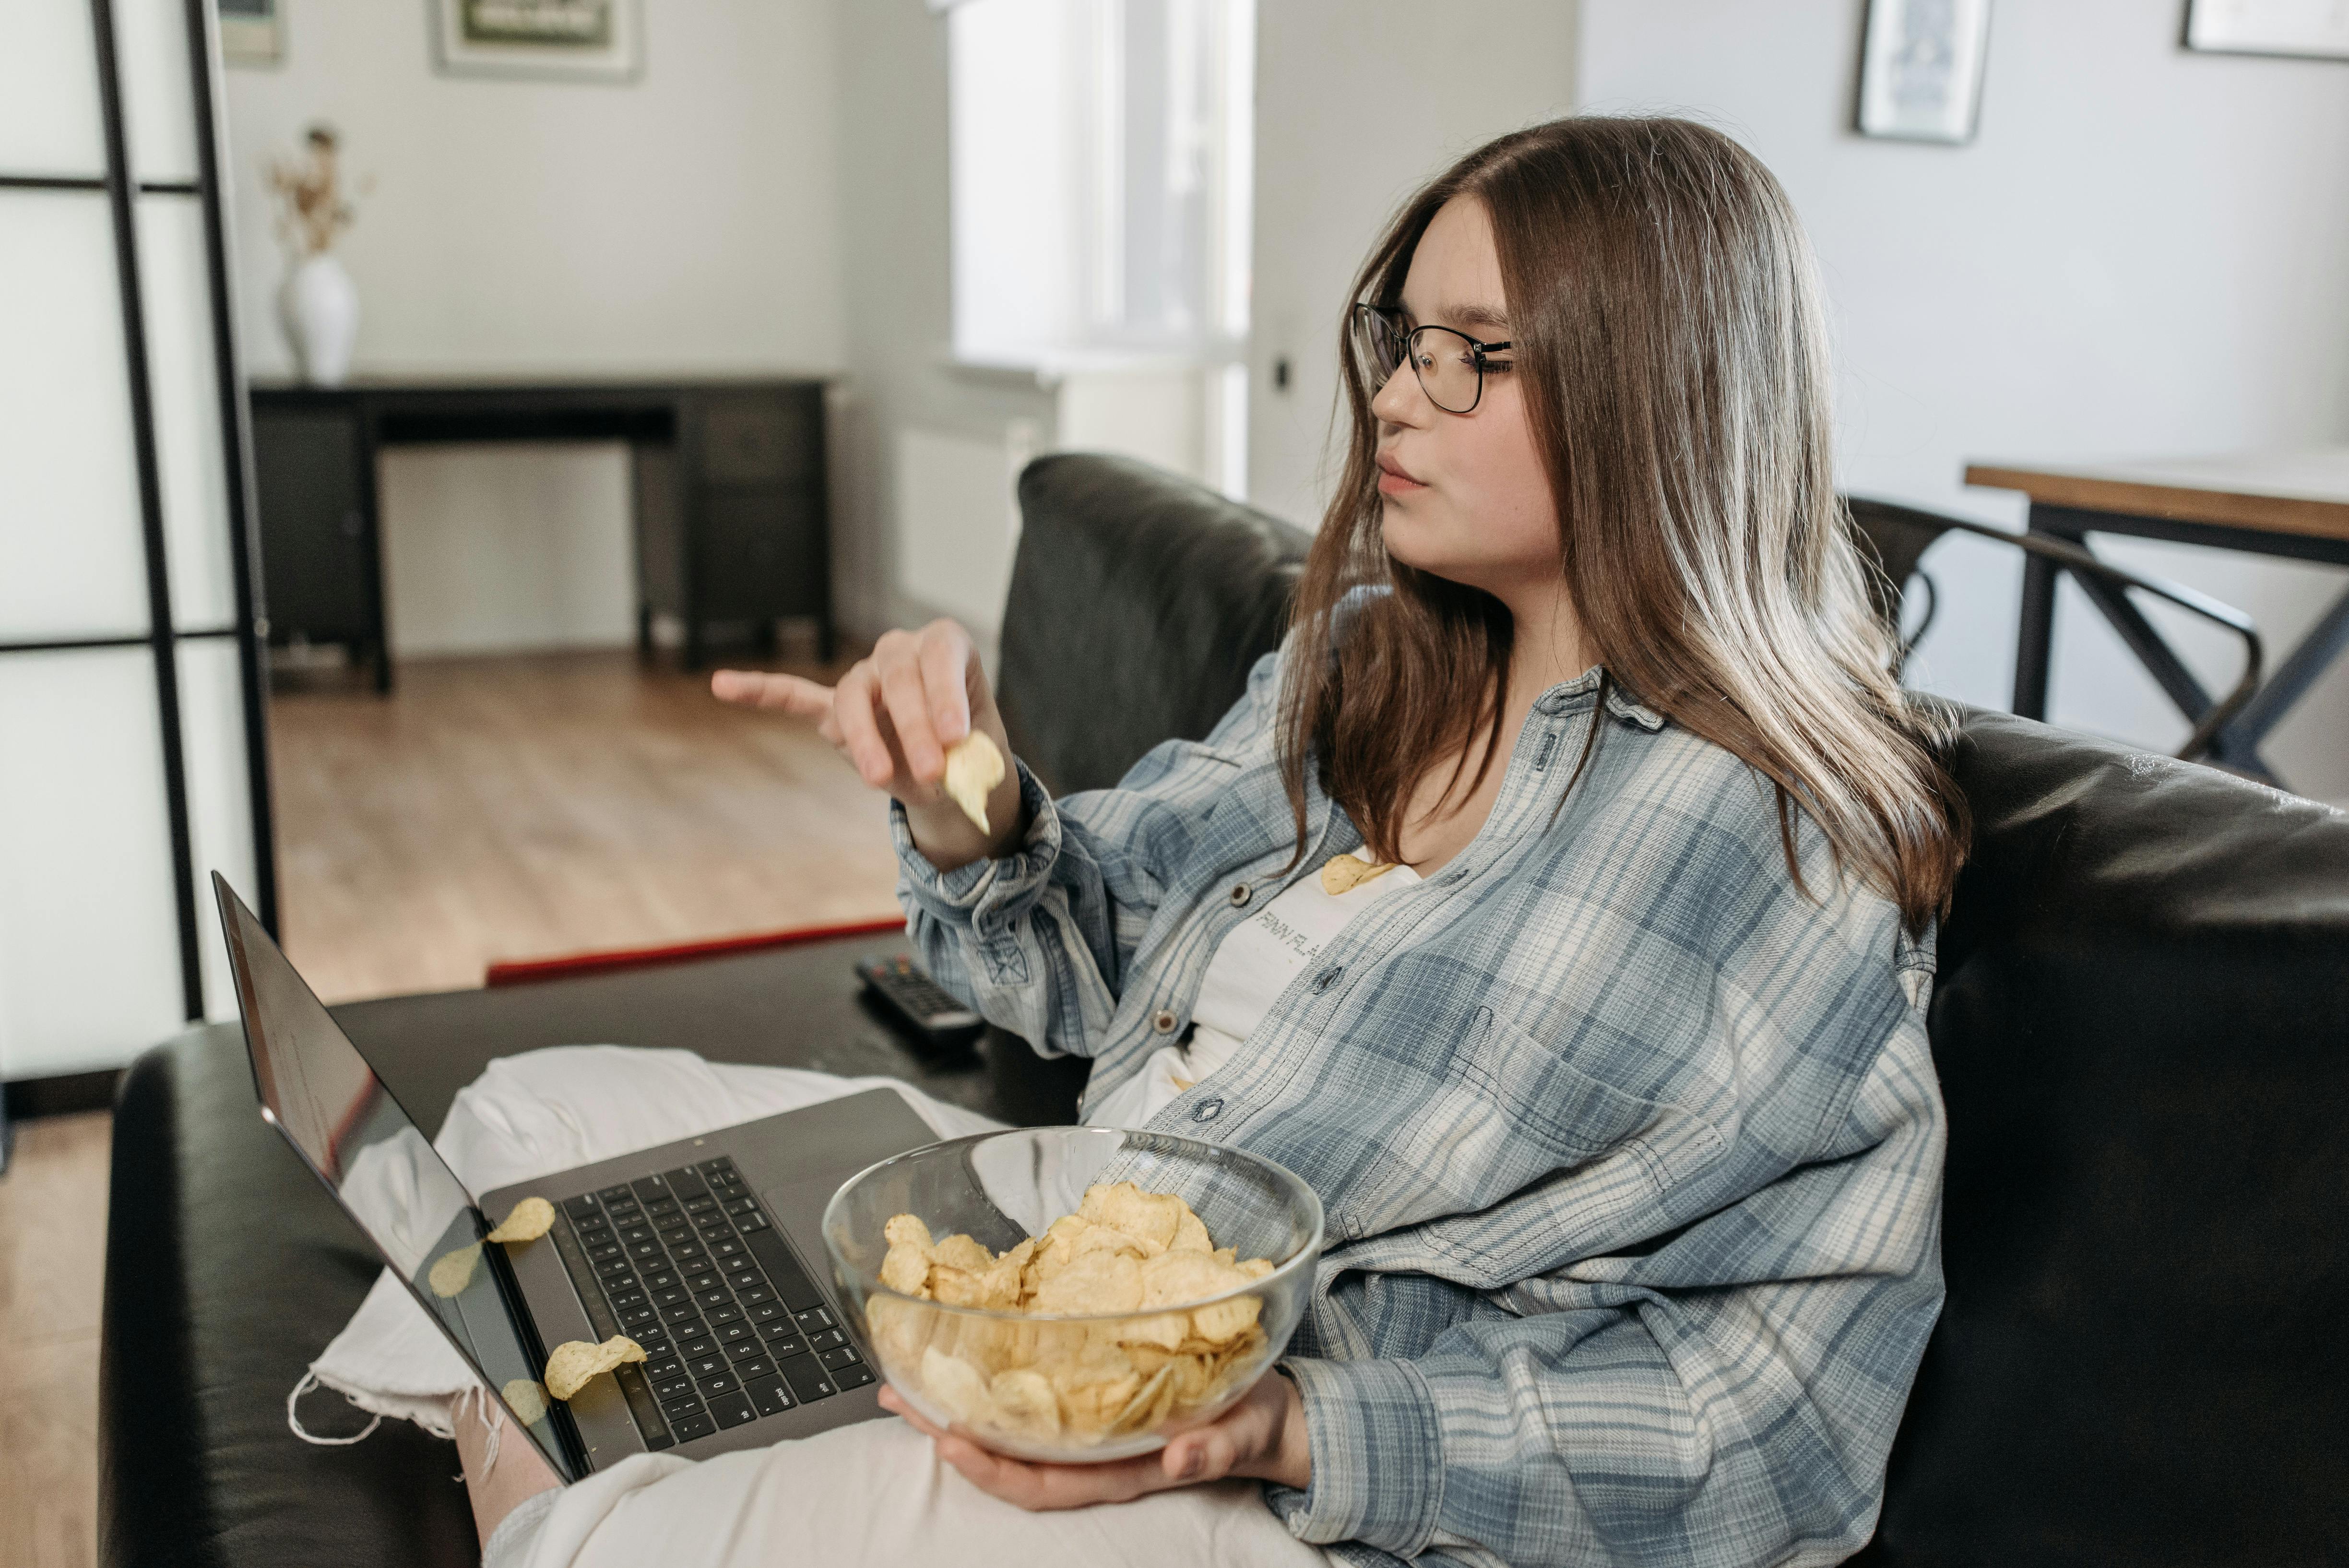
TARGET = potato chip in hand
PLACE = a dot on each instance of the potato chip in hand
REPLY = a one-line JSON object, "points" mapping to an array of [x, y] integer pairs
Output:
{"points": [[974, 767]]}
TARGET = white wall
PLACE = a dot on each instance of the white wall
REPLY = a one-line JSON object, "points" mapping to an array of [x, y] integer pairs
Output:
{"points": [[2144, 252], [681, 223], [898, 294], [507, 547], [1358, 102]]}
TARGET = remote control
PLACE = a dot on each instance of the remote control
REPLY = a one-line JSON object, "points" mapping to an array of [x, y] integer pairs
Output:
{"points": [[917, 1001]]}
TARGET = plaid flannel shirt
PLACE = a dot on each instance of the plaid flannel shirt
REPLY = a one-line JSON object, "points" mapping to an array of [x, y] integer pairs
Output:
{"points": [[1631, 1150]]}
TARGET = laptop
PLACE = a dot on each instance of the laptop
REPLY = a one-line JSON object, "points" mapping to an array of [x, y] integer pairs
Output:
{"points": [[708, 1251]]}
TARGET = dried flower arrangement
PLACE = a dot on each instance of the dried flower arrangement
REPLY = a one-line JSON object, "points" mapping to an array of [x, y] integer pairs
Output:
{"points": [[311, 210]]}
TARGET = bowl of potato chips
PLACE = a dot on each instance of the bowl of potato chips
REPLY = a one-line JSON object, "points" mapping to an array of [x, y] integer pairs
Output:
{"points": [[1074, 1295]]}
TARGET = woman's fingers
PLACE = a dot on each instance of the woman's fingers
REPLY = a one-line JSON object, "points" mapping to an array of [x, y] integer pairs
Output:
{"points": [[947, 666], [860, 732], [909, 714], [892, 715], [787, 693]]}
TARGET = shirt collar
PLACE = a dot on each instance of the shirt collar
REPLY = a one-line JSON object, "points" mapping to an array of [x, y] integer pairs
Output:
{"points": [[1567, 694]]}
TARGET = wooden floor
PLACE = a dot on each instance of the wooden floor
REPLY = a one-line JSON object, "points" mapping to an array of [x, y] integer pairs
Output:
{"points": [[52, 1260], [522, 807]]}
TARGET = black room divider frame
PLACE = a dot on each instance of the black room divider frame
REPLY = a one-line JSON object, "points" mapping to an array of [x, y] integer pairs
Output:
{"points": [[251, 626]]}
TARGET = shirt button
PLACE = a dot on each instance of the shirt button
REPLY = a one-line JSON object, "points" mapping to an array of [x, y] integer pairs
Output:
{"points": [[1164, 1023], [1241, 895]]}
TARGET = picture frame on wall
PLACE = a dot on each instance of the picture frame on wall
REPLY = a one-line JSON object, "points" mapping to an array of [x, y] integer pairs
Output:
{"points": [[252, 32], [2300, 29], [553, 40], [1921, 69]]}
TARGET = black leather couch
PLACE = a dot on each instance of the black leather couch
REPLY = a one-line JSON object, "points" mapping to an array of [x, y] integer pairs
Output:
{"points": [[2141, 1025]]}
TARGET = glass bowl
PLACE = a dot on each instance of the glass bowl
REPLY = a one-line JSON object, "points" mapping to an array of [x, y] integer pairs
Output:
{"points": [[1075, 1388]]}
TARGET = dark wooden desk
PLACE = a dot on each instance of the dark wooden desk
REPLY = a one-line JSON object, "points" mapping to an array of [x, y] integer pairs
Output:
{"points": [[2290, 503], [729, 491]]}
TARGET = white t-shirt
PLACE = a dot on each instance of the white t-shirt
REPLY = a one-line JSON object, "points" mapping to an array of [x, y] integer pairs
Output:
{"points": [[1253, 965]]}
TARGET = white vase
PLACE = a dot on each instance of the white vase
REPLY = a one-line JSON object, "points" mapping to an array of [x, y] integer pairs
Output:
{"points": [[319, 306]]}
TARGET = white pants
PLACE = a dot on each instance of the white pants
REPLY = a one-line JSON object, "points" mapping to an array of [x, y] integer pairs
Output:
{"points": [[873, 1493], [876, 1494]]}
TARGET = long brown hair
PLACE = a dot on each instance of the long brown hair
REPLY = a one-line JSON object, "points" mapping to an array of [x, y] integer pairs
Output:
{"points": [[1664, 310]]}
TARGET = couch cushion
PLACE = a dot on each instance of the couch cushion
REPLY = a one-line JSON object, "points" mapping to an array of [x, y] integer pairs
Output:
{"points": [[2142, 1032], [1139, 601]]}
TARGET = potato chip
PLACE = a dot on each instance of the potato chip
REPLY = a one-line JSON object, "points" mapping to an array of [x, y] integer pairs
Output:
{"points": [[905, 1269], [1148, 1404], [957, 1385], [961, 1252], [526, 1221], [452, 1272], [959, 1287], [1025, 1398], [1190, 1234], [526, 1400], [1179, 1277], [1103, 1239], [900, 1329], [1094, 1386], [1227, 1321], [1165, 1331], [1094, 1285], [1100, 1359], [974, 767], [576, 1363], [1345, 873], [1150, 1219]]}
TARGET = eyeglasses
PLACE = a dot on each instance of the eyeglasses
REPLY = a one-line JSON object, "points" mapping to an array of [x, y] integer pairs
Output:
{"points": [[1450, 365]]}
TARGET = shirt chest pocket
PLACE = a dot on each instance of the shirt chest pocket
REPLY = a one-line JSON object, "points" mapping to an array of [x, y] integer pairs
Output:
{"points": [[1512, 1112]]}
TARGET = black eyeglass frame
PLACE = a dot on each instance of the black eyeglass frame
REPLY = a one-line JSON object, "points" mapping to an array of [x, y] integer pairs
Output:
{"points": [[1388, 318]]}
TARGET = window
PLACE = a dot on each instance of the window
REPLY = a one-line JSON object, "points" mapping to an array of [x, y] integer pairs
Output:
{"points": [[1099, 167]]}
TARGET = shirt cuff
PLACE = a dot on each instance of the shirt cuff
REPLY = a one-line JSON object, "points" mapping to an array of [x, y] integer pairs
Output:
{"points": [[957, 896], [1378, 1456]]}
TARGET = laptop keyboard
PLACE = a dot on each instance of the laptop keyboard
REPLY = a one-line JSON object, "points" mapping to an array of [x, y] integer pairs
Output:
{"points": [[687, 1264]]}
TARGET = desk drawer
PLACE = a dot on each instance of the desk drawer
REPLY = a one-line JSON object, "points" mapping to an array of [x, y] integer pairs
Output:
{"points": [[762, 556], [767, 439]]}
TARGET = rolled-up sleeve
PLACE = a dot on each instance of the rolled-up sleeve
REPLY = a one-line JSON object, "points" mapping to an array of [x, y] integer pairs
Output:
{"points": [[1040, 940], [1730, 1398]]}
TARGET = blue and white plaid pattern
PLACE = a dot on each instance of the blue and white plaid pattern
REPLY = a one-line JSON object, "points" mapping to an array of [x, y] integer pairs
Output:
{"points": [[1631, 1152]]}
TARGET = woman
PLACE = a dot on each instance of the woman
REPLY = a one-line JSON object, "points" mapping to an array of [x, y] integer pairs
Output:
{"points": [[1615, 1087]]}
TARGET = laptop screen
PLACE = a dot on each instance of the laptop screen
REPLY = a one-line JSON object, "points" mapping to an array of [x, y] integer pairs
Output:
{"points": [[318, 1091]]}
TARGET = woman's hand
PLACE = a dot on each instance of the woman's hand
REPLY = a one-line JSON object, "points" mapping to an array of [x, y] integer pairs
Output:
{"points": [[893, 716], [1262, 1438]]}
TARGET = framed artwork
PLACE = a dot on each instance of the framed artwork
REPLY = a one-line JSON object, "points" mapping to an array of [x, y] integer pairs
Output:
{"points": [[2306, 30], [252, 32], [1920, 69], [567, 40]]}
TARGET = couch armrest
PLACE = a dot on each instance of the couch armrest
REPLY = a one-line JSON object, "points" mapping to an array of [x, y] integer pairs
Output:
{"points": [[226, 1267]]}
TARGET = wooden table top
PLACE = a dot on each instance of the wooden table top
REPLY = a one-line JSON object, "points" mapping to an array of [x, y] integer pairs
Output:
{"points": [[2302, 491]]}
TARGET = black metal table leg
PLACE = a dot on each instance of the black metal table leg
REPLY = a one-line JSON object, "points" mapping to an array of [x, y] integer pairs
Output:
{"points": [[2036, 636], [2232, 747], [2291, 679]]}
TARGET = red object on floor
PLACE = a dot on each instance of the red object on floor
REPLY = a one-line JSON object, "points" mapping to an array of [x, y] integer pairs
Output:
{"points": [[522, 971]]}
